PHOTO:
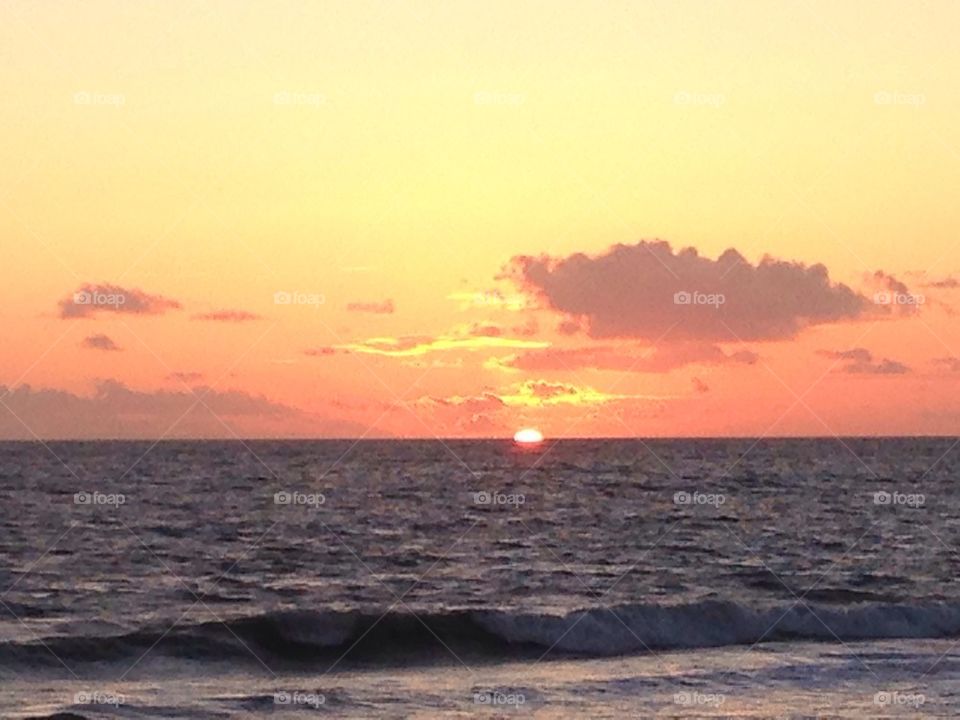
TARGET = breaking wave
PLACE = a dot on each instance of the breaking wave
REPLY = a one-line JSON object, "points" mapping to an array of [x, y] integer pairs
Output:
{"points": [[398, 637]]}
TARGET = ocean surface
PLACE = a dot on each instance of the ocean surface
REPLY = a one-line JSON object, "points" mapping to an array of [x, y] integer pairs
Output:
{"points": [[454, 579]]}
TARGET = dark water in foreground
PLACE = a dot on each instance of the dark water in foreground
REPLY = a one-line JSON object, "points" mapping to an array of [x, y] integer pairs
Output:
{"points": [[729, 578]]}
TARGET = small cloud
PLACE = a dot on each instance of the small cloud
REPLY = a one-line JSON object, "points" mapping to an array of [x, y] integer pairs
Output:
{"points": [[952, 364], [948, 283], [699, 386], [100, 342], [376, 308], [185, 377], [320, 352], [90, 299], [234, 316], [860, 361]]}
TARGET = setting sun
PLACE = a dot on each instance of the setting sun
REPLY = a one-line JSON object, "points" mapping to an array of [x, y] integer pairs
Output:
{"points": [[528, 436]]}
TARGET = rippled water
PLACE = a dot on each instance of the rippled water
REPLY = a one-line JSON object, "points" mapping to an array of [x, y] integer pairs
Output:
{"points": [[213, 577]]}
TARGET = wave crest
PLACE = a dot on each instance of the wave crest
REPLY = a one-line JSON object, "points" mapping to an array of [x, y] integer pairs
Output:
{"points": [[402, 637]]}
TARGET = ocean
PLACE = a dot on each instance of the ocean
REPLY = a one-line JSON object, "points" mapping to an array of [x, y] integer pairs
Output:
{"points": [[775, 578]]}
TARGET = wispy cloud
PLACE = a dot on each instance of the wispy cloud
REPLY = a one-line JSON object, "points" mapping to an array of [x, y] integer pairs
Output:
{"points": [[229, 316], [627, 358], [384, 307], [421, 345], [860, 361]]}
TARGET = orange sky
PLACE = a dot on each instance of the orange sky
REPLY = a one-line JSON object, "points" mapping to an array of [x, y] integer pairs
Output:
{"points": [[400, 219]]}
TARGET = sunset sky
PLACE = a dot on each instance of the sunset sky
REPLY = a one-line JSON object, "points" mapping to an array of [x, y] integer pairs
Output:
{"points": [[456, 219]]}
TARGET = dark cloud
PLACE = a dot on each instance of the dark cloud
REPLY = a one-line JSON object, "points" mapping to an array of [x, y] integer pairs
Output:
{"points": [[860, 361], [90, 299], [117, 411], [377, 308], [699, 386], [227, 316], [648, 291], [100, 342], [949, 283]]}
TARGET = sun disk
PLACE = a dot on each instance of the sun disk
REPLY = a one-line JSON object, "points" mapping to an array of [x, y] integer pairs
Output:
{"points": [[528, 436]]}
